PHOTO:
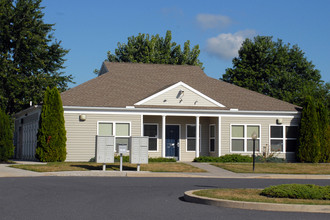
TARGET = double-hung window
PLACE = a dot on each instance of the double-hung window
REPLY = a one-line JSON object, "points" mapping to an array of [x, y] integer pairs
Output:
{"points": [[241, 138], [120, 130], [151, 130], [212, 138], [122, 134], [283, 138], [191, 137]]}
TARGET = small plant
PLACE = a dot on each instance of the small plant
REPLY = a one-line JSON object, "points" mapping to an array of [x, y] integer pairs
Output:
{"points": [[298, 191], [92, 159], [229, 158]]}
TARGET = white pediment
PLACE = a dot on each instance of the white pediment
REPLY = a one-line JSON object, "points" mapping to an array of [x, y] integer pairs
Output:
{"points": [[180, 94]]}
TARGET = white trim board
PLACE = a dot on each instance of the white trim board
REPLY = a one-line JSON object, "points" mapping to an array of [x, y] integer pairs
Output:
{"points": [[176, 85]]}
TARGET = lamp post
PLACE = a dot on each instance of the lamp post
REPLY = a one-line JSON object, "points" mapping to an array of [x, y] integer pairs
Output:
{"points": [[254, 137]]}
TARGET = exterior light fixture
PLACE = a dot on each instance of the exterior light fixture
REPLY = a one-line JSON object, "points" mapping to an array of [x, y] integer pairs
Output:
{"points": [[279, 121], [82, 117]]}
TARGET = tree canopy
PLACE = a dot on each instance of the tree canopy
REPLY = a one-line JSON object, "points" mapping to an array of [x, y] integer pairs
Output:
{"points": [[155, 49], [276, 69], [30, 58]]}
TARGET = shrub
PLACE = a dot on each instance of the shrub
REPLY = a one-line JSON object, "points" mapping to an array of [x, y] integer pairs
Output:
{"points": [[161, 159], [298, 191], [6, 137], [150, 160], [229, 158], [309, 148], [51, 144], [261, 159], [125, 159]]}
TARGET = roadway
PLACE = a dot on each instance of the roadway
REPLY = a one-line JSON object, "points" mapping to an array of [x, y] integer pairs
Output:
{"points": [[128, 198]]}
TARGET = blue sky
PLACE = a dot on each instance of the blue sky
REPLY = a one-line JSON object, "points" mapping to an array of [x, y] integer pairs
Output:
{"points": [[90, 28]]}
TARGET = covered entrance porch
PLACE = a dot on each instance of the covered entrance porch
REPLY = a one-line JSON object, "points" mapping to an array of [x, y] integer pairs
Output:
{"points": [[182, 137]]}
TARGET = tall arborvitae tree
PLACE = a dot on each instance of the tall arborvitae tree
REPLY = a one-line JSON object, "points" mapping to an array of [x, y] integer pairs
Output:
{"points": [[323, 123], [6, 137], [51, 144], [309, 149], [30, 59]]}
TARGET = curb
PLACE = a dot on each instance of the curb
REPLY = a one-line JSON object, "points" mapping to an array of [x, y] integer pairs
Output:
{"points": [[190, 197]]}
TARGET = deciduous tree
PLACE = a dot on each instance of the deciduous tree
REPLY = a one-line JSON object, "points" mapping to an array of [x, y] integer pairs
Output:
{"points": [[276, 69], [155, 49]]}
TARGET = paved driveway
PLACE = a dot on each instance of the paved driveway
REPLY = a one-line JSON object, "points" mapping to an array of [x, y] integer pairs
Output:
{"points": [[126, 198]]}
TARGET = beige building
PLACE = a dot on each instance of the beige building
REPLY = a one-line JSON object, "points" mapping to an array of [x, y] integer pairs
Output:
{"points": [[185, 113]]}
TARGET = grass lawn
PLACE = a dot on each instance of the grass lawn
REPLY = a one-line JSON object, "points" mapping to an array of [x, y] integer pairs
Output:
{"points": [[279, 168], [85, 166], [252, 195]]}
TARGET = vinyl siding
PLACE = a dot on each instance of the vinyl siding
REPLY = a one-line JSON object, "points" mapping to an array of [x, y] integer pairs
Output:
{"points": [[81, 135], [264, 130]]}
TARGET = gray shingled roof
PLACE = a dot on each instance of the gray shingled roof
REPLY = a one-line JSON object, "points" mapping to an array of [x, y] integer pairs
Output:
{"points": [[127, 83]]}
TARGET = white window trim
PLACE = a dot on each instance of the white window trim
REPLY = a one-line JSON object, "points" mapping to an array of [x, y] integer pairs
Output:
{"points": [[200, 138], [245, 138], [114, 130], [153, 137], [214, 138], [284, 138]]}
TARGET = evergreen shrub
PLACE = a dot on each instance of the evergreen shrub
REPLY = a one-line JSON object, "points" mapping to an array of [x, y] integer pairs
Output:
{"points": [[6, 137], [261, 159], [298, 191], [51, 144], [228, 158], [309, 149]]}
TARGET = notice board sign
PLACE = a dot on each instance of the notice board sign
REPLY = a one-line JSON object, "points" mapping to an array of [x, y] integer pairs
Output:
{"points": [[122, 148], [105, 149]]}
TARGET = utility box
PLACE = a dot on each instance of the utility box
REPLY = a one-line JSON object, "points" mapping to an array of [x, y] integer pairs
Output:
{"points": [[139, 150], [105, 149]]}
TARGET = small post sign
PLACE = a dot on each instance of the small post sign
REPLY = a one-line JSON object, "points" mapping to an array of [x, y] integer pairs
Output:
{"points": [[122, 149]]}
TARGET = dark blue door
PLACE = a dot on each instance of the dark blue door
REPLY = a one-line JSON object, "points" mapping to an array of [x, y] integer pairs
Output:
{"points": [[172, 141]]}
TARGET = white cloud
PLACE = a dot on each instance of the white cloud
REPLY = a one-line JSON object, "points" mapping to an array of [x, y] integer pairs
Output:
{"points": [[226, 46], [210, 21]]}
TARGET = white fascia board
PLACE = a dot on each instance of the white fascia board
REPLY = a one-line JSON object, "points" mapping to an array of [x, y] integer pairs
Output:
{"points": [[176, 85], [177, 112]]}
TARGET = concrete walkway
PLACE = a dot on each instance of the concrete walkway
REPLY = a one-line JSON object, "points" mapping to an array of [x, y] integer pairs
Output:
{"points": [[212, 172], [6, 171]]}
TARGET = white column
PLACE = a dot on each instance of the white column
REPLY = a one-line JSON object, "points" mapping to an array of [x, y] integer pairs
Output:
{"points": [[163, 135], [219, 136], [142, 127], [197, 136]]}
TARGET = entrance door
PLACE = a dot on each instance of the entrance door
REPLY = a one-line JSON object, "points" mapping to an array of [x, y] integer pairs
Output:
{"points": [[172, 141]]}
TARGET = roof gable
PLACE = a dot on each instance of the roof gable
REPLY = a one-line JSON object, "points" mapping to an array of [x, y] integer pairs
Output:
{"points": [[180, 94]]}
